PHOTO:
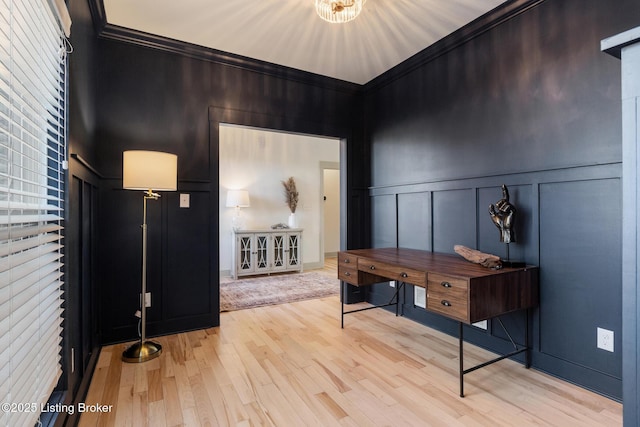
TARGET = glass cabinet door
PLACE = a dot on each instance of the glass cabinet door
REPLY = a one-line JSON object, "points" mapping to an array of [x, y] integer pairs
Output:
{"points": [[293, 257], [244, 248], [262, 252], [278, 252]]}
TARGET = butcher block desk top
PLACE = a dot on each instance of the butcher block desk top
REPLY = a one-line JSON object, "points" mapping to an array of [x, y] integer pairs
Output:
{"points": [[455, 287]]}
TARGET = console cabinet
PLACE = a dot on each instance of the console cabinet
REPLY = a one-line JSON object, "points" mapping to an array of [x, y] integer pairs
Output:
{"points": [[266, 251]]}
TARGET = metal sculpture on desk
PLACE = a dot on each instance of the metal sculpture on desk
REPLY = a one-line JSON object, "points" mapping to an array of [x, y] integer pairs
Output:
{"points": [[503, 216]]}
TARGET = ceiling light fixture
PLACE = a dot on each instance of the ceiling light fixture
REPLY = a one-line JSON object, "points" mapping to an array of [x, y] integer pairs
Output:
{"points": [[339, 11]]}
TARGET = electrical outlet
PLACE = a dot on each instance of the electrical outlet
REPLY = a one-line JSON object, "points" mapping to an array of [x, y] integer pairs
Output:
{"points": [[392, 283], [481, 324], [605, 339], [147, 299], [419, 297], [185, 200]]}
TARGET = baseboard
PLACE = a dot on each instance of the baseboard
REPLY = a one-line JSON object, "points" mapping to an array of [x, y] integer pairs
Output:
{"points": [[312, 266]]}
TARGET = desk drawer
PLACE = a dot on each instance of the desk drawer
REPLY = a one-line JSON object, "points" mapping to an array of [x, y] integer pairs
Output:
{"points": [[448, 296], [348, 274], [393, 272], [347, 260]]}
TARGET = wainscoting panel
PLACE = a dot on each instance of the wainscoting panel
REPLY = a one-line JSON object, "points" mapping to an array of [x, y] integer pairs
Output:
{"points": [[178, 275], [414, 221], [567, 223], [580, 252], [384, 221], [188, 282], [454, 219]]}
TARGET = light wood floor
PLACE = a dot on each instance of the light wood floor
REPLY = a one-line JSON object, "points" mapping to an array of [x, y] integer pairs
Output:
{"points": [[292, 365]]}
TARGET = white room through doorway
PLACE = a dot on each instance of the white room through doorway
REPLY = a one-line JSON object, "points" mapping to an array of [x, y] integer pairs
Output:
{"points": [[258, 160]]}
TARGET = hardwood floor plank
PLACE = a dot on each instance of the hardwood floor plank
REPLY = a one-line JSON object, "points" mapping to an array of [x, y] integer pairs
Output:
{"points": [[183, 386], [173, 409], [293, 365], [206, 414], [154, 385], [332, 406], [157, 412], [124, 417], [140, 409]]}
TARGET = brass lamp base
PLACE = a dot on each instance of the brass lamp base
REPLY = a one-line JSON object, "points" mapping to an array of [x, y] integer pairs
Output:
{"points": [[141, 352]]}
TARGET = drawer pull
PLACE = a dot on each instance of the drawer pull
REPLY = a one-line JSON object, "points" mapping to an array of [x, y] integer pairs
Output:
{"points": [[372, 267], [346, 273], [346, 261], [404, 275], [446, 284], [445, 303]]}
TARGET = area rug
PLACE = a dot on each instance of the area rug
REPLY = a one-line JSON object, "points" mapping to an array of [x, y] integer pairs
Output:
{"points": [[275, 289]]}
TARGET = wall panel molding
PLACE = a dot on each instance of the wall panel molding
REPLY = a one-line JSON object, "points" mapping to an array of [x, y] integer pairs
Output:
{"points": [[578, 272], [602, 170]]}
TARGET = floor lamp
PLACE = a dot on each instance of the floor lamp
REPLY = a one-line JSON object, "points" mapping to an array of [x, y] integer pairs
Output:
{"points": [[147, 171]]}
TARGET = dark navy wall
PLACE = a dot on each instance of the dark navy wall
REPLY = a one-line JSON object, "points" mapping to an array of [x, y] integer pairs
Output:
{"points": [[534, 104], [156, 95], [82, 333], [526, 100]]}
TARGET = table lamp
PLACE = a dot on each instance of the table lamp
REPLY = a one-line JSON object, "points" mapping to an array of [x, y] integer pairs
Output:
{"points": [[237, 199]]}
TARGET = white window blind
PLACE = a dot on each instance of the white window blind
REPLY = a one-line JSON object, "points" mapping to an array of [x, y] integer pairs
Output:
{"points": [[32, 150]]}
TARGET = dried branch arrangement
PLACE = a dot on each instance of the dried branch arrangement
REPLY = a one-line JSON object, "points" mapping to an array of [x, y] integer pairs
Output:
{"points": [[290, 194]]}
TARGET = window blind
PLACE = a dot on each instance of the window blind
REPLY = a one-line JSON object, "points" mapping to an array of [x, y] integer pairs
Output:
{"points": [[32, 151]]}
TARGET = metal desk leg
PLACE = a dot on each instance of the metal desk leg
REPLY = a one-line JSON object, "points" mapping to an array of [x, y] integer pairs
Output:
{"points": [[400, 285], [394, 301], [461, 359], [527, 354], [516, 350], [341, 304]]}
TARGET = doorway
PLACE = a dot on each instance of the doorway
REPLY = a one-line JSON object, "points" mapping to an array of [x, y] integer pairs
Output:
{"points": [[258, 160]]}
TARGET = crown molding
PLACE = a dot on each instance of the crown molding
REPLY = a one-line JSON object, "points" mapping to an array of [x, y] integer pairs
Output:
{"points": [[491, 19], [475, 28], [107, 31], [98, 15]]}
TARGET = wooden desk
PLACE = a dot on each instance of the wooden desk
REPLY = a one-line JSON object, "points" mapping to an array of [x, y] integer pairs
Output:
{"points": [[455, 287]]}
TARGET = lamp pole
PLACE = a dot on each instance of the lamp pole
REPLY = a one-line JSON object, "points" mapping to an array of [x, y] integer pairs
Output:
{"points": [[143, 350]]}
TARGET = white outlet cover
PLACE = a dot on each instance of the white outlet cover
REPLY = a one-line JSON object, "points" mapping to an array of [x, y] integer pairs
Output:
{"points": [[481, 324], [605, 339], [419, 297], [184, 200]]}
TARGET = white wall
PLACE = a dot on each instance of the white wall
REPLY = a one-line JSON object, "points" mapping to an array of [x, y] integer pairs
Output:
{"points": [[258, 160], [331, 211]]}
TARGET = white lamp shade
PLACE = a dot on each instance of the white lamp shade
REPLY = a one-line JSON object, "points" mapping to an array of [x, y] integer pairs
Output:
{"points": [[149, 170], [238, 199]]}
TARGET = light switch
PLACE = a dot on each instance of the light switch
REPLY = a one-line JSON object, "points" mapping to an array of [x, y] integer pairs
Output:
{"points": [[184, 200]]}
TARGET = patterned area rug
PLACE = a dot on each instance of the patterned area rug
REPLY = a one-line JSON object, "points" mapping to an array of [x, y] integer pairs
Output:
{"points": [[275, 289]]}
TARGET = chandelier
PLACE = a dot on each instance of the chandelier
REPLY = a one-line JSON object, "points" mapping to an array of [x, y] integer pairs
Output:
{"points": [[339, 11]]}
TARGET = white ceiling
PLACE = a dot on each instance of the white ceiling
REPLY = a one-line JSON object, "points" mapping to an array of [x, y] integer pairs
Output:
{"points": [[290, 33]]}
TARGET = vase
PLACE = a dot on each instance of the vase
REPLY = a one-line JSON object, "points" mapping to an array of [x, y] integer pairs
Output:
{"points": [[293, 221]]}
